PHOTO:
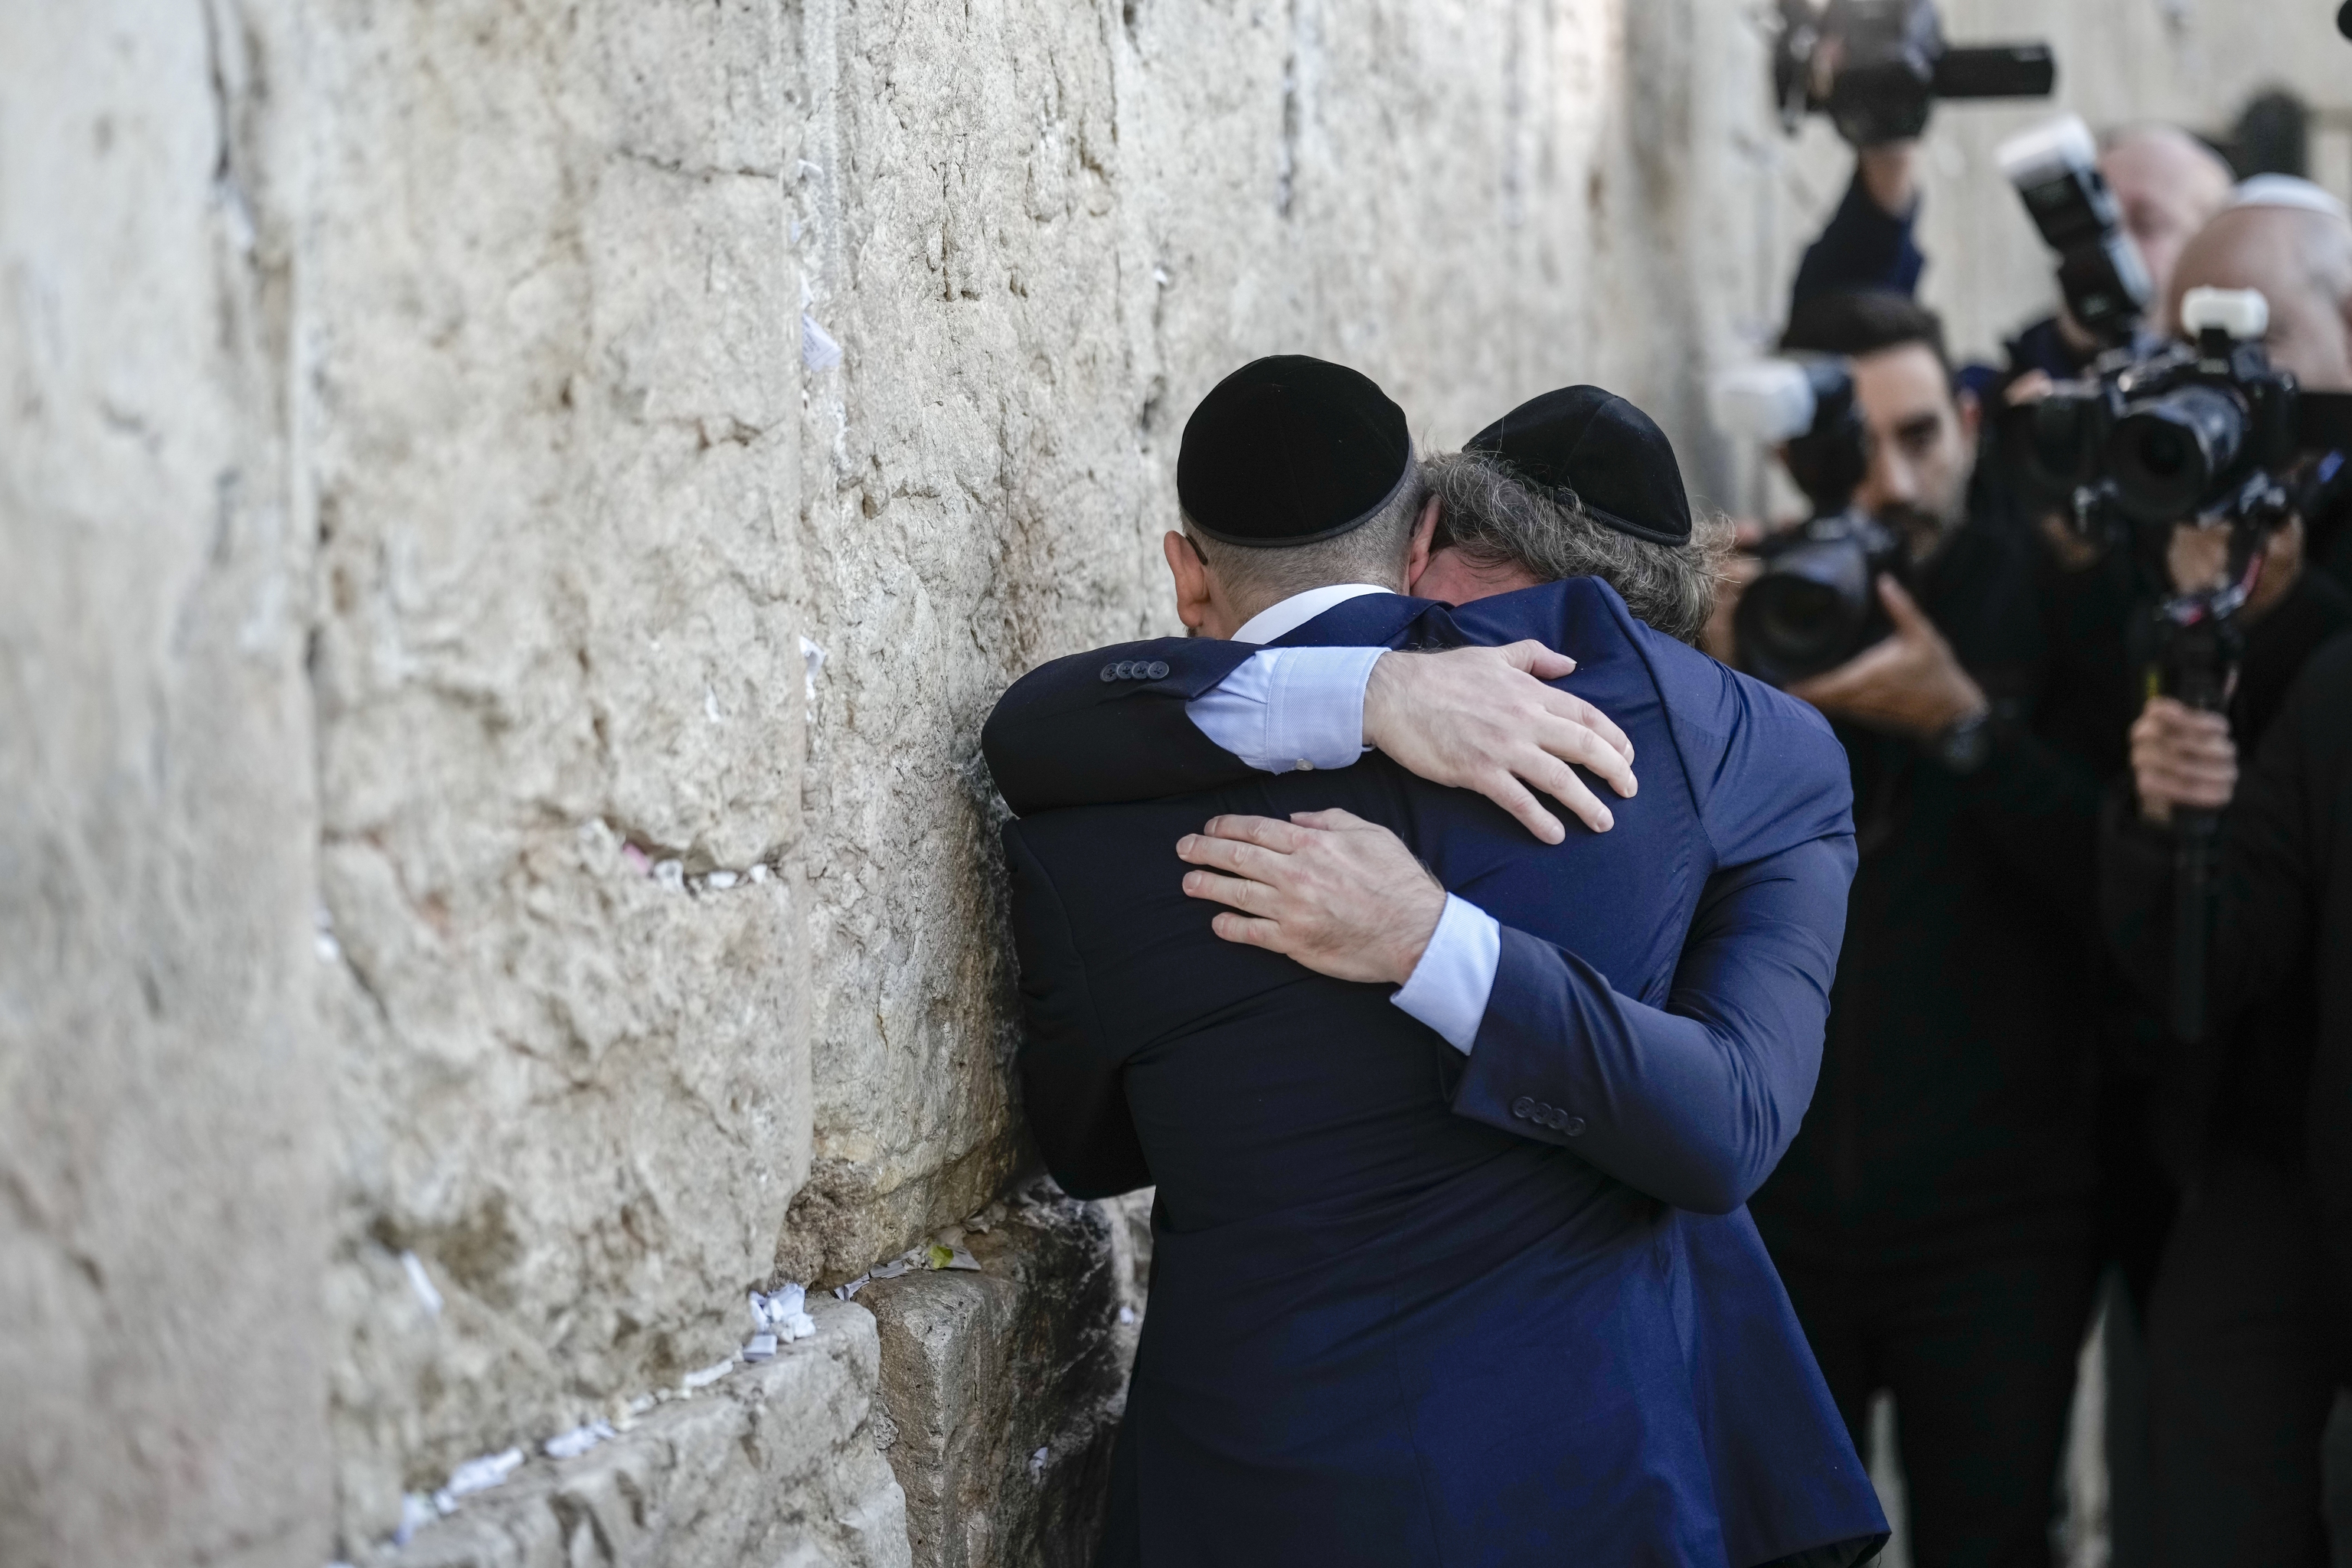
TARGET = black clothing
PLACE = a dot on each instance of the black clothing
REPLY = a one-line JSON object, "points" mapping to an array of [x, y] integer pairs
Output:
{"points": [[1954, 1078], [1934, 1219], [2272, 1080], [2247, 1322], [1980, 1353], [2240, 1349]]}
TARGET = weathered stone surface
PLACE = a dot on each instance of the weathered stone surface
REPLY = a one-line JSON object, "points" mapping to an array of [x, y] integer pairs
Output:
{"points": [[774, 1464], [415, 496], [551, 380], [1003, 1387], [161, 1111]]}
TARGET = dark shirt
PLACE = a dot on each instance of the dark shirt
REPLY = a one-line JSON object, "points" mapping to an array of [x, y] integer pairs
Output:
{"points": [[2272, 1080], [1955, 1078]]}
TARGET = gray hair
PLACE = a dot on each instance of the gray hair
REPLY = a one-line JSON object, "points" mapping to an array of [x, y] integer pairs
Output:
{"points": [[1496, 520], [1373, 551]]}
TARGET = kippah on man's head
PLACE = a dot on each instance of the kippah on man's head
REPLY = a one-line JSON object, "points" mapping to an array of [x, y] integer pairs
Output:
{"points": [[1289, 449], [1613, 456], [2287, 190]]}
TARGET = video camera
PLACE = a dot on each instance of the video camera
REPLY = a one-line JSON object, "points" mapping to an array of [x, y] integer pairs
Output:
{"points": [[2055, 168], [1816, 604], [2206, 434], [1876, 67]]}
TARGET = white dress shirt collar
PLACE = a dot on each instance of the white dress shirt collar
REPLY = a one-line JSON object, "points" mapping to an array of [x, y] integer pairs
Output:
{"points": [[1289, 615]]}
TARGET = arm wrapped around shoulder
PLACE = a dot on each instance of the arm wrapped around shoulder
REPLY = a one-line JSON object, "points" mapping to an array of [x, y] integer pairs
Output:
{"points": [[1100, 727]]}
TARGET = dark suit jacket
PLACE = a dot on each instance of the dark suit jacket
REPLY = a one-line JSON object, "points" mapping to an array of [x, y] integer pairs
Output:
{"points": [[1381, 1331]]}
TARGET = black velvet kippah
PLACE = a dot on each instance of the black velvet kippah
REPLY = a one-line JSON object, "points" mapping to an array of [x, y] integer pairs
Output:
{"points": [[1611, 454], [1287, 450]]}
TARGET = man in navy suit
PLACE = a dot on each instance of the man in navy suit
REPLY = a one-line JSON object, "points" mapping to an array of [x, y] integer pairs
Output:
{"points": [[1419, 1292]]}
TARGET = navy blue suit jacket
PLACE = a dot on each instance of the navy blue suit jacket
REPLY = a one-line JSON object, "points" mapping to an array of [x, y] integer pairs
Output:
{"points": [[1384, 1331]]}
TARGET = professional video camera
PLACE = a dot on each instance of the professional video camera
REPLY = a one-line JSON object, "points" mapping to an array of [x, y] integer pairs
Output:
{"points": [[2055, 168], [1816, 604], [1876, 67], [2209, 436]]}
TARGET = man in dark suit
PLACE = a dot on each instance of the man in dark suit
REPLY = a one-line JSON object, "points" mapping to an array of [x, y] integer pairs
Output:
{"points": [[1418, 1293]]}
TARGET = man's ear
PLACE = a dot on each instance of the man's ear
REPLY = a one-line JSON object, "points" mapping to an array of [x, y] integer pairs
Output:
{"points": [[1971, 412], [1191, 575], [1417, 557]]}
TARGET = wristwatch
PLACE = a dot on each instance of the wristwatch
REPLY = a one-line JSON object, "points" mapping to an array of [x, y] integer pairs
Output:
{"points": [[1963, 745]]}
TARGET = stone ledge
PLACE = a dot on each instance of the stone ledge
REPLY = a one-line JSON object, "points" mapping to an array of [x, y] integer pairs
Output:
{"points": [[981, 1371], [774, 1464]]}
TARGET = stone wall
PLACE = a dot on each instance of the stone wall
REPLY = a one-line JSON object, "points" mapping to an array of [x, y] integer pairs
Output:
{"points": [[515, 513]]}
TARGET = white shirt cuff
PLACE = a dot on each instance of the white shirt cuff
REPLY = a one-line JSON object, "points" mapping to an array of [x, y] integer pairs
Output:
{"points": [[1449, 987], [1291, 709]]}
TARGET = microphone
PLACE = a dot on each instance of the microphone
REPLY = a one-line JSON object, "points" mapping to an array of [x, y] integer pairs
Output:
{"points": [[2344, 19]]}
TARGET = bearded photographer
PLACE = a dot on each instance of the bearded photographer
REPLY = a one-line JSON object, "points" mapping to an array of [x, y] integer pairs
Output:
{"points": [[2247, 1318], [1933, 1219]]}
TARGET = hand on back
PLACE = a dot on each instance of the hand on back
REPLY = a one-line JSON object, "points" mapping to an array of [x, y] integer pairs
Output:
{"points": [[1482, 719], [1340, 895]]}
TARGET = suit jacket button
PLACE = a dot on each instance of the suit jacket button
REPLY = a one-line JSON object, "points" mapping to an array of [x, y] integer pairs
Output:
{"points": [[1110, 672], [1523, 1108], [1571, 1125], [1157, 669]]}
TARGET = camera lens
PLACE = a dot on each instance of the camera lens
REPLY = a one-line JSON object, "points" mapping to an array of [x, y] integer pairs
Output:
{"points": [[1799, 622], [2168, 453], [1809, 612]]}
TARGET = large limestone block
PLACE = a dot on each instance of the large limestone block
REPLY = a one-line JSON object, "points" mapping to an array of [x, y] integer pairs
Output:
{"points": [[1003, 1387], [772, 1467], [551, 385], [161, 1209]]}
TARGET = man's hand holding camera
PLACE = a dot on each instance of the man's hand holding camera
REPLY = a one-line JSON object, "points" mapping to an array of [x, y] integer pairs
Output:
{"points": [[1909, 684], [2183, 757]]}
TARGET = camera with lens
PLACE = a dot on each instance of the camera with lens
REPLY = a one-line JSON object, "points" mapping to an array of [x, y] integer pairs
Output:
{"points": [[2186, 433], [1816, 604], [2055, 168], [2206, 434], [1876, 67]]}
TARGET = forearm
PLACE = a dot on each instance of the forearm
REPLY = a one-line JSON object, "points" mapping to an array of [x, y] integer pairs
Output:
{"points": [[1694, 1103], [1866, 247]]}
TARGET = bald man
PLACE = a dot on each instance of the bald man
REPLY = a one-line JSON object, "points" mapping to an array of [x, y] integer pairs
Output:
{"points": [[2291, 240], [2246, 1339], [2170, 185]]}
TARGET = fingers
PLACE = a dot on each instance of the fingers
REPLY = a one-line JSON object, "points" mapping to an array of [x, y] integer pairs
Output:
{"points": [[1577, 710], [1242, 860], [1234, 890], [1901, 608], [1512, 796], [1333, 820], [1268, 831], [1537, 660], [1250, 933], [1560, 782], [1573, 744]]}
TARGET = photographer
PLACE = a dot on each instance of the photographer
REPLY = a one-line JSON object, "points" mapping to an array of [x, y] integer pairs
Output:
{"points": [[2167, 182], [2246, 1322], [1933, 1219]]}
